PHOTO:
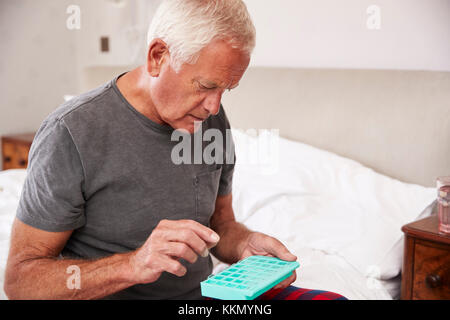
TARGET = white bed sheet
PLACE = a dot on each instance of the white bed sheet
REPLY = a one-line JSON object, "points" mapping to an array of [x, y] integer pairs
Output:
{"points": [[341, 219], [11, 182]]}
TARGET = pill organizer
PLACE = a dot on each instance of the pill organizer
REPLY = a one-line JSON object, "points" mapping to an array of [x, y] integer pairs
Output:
{"points": [[248, 278]]}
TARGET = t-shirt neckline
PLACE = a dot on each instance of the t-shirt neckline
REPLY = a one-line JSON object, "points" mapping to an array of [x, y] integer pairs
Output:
{"points": [[148, 122]]}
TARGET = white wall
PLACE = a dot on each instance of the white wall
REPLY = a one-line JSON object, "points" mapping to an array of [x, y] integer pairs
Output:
{"points": [[125, 26], [37, 62], [414, 34], [41, 60]]}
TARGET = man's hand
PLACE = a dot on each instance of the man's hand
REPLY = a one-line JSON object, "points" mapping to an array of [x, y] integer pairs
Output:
{"points": [[170, 241], [263, 245], [237, 242]]}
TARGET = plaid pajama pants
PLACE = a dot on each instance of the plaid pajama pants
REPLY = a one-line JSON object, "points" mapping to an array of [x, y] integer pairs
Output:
{"points": [[295, 293]]}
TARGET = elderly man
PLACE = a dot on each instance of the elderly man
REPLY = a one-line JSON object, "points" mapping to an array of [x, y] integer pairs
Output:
{"points": [[104, 198]]}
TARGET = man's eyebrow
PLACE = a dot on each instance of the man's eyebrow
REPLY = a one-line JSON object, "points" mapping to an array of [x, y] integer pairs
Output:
{"points": [[211, 83]]}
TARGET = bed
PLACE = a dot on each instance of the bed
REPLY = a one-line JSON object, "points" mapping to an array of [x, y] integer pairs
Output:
{"points": [[354, 159]]}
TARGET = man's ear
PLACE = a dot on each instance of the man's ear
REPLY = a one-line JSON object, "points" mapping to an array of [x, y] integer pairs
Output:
{"points": [[158, 53]]}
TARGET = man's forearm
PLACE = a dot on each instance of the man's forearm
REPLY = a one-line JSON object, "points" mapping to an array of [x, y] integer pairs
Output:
{"points": [[233, 238], [47, 278]]}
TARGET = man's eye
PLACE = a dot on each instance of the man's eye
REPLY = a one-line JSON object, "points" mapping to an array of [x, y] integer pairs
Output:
{"points": [[205, 87]]}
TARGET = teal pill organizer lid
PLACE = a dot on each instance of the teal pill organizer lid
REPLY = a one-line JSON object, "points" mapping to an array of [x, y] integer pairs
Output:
{"points": [[248, 278]]}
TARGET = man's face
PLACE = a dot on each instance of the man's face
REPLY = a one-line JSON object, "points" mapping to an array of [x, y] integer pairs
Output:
{"points": [[194, 93]]}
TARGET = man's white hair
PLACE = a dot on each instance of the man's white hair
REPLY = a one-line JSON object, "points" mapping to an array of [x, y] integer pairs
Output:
{"points": [[187, 26]]}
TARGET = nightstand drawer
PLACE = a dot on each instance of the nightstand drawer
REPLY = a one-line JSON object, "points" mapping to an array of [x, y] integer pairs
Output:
{"points": [[15, 156], [431, 271]]}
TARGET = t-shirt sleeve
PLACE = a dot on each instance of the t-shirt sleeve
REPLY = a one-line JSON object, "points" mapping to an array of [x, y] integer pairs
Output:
{"points": [[52, 195], [226, 178]]}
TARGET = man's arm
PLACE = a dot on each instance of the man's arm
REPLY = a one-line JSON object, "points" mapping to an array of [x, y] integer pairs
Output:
{"points": [[34, 271], [233, 235]]}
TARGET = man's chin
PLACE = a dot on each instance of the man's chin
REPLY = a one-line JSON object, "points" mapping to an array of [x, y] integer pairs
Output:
{"points": [[190, 127]]}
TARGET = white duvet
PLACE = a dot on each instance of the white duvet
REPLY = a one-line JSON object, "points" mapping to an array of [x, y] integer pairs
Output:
{"points": [[340, 218]]}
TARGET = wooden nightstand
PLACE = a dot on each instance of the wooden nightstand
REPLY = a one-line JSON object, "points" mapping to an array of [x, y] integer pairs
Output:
{"points": [[15, 150], [426, 263]]}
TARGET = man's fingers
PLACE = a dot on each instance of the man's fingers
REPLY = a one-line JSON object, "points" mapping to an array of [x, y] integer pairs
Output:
{"points": [[287, 282], [205, 233], [276, 248], [179, 250], [172, 266], [169, 242], [188, 237]]}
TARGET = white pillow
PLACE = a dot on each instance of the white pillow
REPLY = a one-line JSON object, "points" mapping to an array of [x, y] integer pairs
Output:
{"points": [[326, 202]]}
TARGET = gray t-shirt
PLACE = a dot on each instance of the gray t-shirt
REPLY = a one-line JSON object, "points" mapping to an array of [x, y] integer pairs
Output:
{"points": [[99, 167]]}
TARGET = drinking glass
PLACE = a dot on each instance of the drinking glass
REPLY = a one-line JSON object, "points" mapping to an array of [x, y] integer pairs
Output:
{"points": [[443, 189]]}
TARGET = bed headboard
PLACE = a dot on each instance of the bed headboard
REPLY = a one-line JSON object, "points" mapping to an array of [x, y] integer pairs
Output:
{"points": [[395, 122]]}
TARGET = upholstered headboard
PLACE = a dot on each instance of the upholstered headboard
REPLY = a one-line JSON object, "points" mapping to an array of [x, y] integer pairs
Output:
{"points": [[396, 122]]}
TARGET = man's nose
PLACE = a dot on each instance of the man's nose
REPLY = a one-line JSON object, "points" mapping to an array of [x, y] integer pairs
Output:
{"points": [[212, 103]]}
